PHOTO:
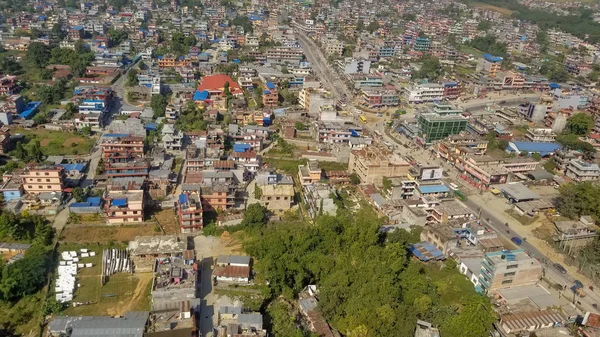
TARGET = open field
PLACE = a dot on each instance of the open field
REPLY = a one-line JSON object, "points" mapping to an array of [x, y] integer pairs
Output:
{"points": [[500, 10], [58, 142], [105, 234], [122, 293], [168, 221]]}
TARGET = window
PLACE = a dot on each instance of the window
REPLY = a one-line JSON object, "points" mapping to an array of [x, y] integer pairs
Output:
{"points": [[29, 186], [49, 187], [512, 266], [47, 173], [510, 274], [135, 212], [37, 173], [47, 180], [507, 281], [39, 180]]}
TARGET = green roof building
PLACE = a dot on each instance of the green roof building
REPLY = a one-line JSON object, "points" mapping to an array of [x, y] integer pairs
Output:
{"points": [[441, 123]]}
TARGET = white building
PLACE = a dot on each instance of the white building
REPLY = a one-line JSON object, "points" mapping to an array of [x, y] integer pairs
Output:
{"points": [[424, 93]]}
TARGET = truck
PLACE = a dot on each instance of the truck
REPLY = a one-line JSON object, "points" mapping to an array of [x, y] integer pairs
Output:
{"points": [[516, 240]]}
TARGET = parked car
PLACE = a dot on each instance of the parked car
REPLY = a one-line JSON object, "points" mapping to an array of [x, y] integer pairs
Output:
{"points": [[560, 268], [516, 240], [578, 284]]}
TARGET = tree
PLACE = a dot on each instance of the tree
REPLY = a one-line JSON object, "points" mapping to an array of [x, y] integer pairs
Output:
{"points": [[21, 152], [550, 165], [58, 32], [159, 104], [430, 68], [86, 130], [117, 36], [132, 79], [35, 151], [484, 25], [577, 199], [244, 22], [373, 26], [579, 124], [79, 194], [255, 216], [300, 126], [38, 54], [354, 179], [360, 26], [536, 156]]}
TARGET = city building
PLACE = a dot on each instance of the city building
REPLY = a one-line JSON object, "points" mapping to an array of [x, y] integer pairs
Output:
{"points": [[354, 66], [540, 135], [581, 170], [424, 93], [123, 155], [507, 269], [124, 206], [373, 162], [189, 212], [44, 179], [276, 191], [270, 96], [490, 65], [436, 126]]}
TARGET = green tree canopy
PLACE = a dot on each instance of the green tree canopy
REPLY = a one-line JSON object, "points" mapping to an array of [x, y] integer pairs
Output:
{"points": [[577, 199], [580, 124]]}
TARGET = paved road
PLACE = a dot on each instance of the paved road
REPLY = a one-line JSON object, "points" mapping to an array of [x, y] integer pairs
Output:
{"points": [[323, 70], [515, 99]]}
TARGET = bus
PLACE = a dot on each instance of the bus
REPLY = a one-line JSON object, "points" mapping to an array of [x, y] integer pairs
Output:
{"points": [[363, 119]]}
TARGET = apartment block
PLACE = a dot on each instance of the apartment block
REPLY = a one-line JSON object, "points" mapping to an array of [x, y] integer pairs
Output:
{"points": [[43, 179], [581, 170], [490, 65], [123, 155], [507, 269], [189, 212], [354, 66], [540, 135], [124, 206], [433, 126], [373, 162], [424, 93], [276, 191], [378, 98]]}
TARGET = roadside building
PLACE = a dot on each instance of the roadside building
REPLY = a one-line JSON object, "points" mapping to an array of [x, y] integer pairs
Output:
{"points": [[125, 206], [373, 162], [44, 179], [276, 191], [507, 269], [132, 324], [189, 212], [581, 170], [144, 250]]}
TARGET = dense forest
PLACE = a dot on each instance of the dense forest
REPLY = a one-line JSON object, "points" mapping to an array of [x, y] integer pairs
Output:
{"points": [[369, 285], [580, 24]]}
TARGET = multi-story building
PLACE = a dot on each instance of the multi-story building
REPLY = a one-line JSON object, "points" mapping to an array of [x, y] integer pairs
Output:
{"points": [[270, 95], [507, 269], [189, 212], [354, 66], [124, 206], [44, 179], [540, 134], [334, 47], [369, 81], [310, 173], [169, 61], [422, 44], [377, 98], [452, 90], [373, 162], [562, 158], [424, 93], [434, 126], [335, 132], [581, 170], [123, 156], [8, 85], [490, 65], [285, 55], [77, 32], [276, 190]]}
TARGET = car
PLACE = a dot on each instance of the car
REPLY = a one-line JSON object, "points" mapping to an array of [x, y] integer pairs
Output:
{"points": [[516, 240], [578, 284], [560, 268]]}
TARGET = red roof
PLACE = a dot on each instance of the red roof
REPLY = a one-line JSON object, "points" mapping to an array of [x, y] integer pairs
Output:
{"points": [[217, 82]]}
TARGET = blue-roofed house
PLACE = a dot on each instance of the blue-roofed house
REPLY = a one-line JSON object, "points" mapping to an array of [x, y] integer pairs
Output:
{"points": [[426, 251], [437, 190], [90, 206], [270, 95], [201, 95], [544, 149], [31, 109], [12, 189], [490, 64], [77, 32]]}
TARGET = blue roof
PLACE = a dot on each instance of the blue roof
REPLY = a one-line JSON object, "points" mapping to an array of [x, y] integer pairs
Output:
{"points": [[541, 148], [151, 126], [492, 58], [78, 28], [94, 201], [266, 92], [270, 85], [433, 188], [426, 251], [200, 95], [30, 110], [73, 167], [236, 61], [241, 147], [554, 85], [183, 199], [119, 202]]}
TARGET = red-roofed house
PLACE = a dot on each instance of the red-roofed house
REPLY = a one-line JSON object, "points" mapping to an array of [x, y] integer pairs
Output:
{"points": [[215, 85]]}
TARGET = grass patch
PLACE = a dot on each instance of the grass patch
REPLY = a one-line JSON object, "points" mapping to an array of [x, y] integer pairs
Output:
{"points": [[333, 166], [57, 143], [500, 10], [287, 165], [450, 284], [122, 292]]}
